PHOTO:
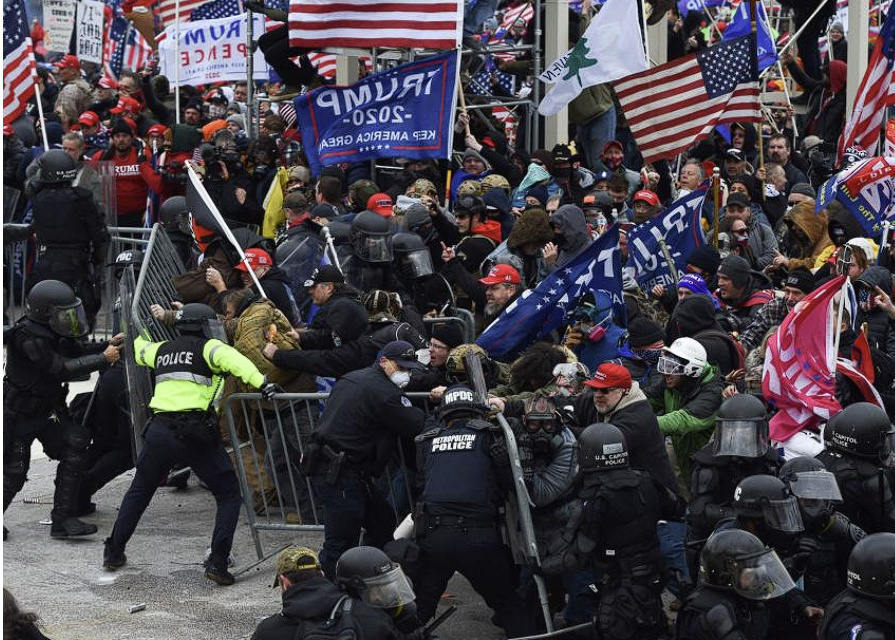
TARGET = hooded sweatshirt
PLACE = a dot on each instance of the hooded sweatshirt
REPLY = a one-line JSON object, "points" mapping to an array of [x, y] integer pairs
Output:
{"points": [[569, 223], [814, 227]]}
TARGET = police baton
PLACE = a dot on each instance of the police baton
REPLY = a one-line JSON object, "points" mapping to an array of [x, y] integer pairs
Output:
{"points": [[430, 628]]}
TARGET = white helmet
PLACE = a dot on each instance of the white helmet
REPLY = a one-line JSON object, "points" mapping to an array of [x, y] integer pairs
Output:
{"points": [[685, 357]]}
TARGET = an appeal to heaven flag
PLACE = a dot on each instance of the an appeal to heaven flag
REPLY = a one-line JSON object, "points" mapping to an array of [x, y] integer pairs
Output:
{"points": [[610, 49]]}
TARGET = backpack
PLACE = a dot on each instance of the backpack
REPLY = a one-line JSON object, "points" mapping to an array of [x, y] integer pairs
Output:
{"points": [[340, 625], [736, 348]]}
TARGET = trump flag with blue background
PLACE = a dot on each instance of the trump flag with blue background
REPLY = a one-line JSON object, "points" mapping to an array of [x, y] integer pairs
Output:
{"points": [[546, 308], [404, 112]]}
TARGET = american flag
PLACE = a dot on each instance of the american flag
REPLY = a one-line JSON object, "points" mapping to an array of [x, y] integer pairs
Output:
{"points": [[364, 24], [168, 8], [113, 47], [137, 53], [673, 106], [876, 93], [287, 111], [217, 9], [325, 63], [480, 83], [18, 61]]}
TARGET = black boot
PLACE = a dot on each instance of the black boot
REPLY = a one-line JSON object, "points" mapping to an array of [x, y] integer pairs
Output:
{"points": [[218, 573], [70, 527], [113, 559]]}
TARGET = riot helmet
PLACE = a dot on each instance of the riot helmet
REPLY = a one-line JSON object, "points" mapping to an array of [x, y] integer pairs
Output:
{"points": [[370, 237], [602, 447], [411, 255], [862, 430], [57, 167], [685, 357], [871, 566], [737, 560], [124, 260], [741, 428], [542, 421], [766, 498], [455, 366], [196, 318], [367, 573], [417, 220], [459, 401], [174, 214], [815, 488], [54, 304], [470, 206]]}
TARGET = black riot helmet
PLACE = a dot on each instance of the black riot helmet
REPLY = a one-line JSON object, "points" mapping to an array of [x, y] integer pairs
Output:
{"points": [[57, 167], [417, 220], [175, 214], [470, 206], [741, 428], [862, 430], [602, 446], [766, 498], [370, 237], [871, 566], [459, 401], [736, 560], [815, 488], [125, 259], [412, 256], [54, 304], [369, 574], [196, 318]]}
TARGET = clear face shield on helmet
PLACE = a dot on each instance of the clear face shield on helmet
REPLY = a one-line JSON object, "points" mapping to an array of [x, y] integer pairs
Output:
{"points": [[371, 247], [741, 438], [762, 576], [669, 365], [387, 591], [214, 329], [70, 321], [417, 264], [816, 492], [887, 456], [783, 515]]}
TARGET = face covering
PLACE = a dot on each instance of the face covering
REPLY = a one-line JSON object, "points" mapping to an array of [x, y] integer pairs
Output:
{"points": [[742, 239], [559, 239], [648, 355], [400, 379]]}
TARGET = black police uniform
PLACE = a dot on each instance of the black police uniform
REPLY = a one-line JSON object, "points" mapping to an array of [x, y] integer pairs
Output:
{"points": [[72, 239], [852, 616], [457, 522], [820, 555], [39, 364], [351, 446], [709, 613], [866, 491]]}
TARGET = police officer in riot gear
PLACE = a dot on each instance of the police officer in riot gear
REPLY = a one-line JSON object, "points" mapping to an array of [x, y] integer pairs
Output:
{"points": [[356, 436], [866, 609], [189, 377], [465, 470], [739, 448], [860, 452], [616, 535], [737, 575], [43, 354], [823, 548], [174, 215], [71, 234], [370, 264], [413, 268]]}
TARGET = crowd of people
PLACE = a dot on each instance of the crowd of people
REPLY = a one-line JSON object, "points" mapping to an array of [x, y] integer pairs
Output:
{"points": [[642, 435]]}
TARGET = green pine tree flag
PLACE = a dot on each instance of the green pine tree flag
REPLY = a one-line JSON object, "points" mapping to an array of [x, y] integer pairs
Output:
{"points": [[578, 60]]}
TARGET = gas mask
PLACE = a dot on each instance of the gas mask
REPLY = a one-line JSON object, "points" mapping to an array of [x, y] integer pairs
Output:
{"points": [[542, 423]]}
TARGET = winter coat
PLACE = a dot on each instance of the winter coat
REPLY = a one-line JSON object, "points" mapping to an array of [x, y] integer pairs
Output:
{"points": [[694, 317], [252, 332], [762, 242], [73, 99], [814, 226], [569, 222], [881, 328], [342, 315]]}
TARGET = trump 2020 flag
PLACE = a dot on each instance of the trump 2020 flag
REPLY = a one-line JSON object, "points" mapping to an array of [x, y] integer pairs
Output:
{"points": [[679, 226], [539, 311], [866, 189], [403, 112], [610, 49], [741, 25], [799, 367]]}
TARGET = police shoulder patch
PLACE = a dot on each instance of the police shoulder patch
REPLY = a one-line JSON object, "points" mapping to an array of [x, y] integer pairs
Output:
{"points": [[406, 401]]}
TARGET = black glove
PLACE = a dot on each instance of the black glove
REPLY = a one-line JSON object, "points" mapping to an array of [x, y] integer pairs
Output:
{"points": [[499, 454], [269, 389], [526, 455]]}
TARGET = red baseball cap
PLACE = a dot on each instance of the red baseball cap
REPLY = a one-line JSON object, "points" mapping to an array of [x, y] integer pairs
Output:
{"points": [[256, 258], [647, 196], [68, 61], [612, 143], [88, 119], [8, 130], [610, 375], [501, 274], [107, 83], [156, 130], [382, 204], [125, 104]]}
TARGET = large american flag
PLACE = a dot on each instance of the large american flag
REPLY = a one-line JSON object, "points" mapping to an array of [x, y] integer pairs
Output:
{"points": [[137, 52], [325, 63], [167, 9], [216, 9], [673, 106], [876, 93], [364, 24], [113, 47], [18, 61]]}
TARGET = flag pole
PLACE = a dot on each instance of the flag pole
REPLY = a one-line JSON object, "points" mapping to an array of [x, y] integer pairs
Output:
{"points": [[795, 37], [177, 61], [753, 17], [250, 69], [843, 293], [716, 192], [40, 113]]}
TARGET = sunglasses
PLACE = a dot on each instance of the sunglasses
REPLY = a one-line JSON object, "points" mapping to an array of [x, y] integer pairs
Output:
{"points": [[604, 392]]}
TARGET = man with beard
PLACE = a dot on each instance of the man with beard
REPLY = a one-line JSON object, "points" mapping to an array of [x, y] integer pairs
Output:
{"points": [[741, 291], [645, 206], [131, 187], [780, 152], [503, 284]]}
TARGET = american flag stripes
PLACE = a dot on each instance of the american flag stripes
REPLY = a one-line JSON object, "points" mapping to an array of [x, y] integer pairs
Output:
{"points": [[18, 61], [168, 8], [113, 47], [325, 63], [137, 53], [217, 9], [876, 93], [480, 83], [673, 106], [364, 24]]}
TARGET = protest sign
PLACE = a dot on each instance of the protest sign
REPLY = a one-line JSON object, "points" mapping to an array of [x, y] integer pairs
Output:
{"points": [[59, 21], [211, 51], [679, 226], [403, 112], [90, 31], [866, 189]]}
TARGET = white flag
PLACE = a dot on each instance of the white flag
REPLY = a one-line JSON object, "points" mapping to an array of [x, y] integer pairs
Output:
{"points": [[611, 48]]}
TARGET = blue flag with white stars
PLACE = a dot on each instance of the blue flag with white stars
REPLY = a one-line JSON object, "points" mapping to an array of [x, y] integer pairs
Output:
{"points": [[547, 307], [216, 9], [403, 112]]}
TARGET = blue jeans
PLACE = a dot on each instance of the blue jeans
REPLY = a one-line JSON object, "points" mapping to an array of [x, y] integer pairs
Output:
{"points": [[211, 464], [594, 134], [672, 536]]}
